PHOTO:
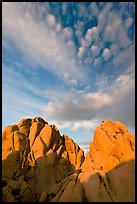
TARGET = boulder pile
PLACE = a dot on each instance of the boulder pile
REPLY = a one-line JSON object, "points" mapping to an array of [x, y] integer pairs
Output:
{"points": [[40, 165]]}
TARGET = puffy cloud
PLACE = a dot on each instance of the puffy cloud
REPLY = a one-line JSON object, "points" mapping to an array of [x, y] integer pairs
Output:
{"points": [[106, 54], [94, 9], [67, 32], [113, 23], [51, 20], [78, 125], [81, 51], [73, 82], [128, 22], [123, 39], [96, 61], [79, 29], [90, 36], [103, 15], [114, 49], [125, 58], [94, 49], [85, 124], [91, 33], [79, 106]]}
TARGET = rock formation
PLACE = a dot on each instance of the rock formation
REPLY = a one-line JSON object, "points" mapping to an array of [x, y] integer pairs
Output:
{"points": [[41, 165]]}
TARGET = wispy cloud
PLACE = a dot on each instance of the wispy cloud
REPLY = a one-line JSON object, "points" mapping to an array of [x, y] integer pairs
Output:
{"points": [[42, 41]]}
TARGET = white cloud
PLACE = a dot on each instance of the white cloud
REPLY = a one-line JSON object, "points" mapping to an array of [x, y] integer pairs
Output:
{"points": [[113, 22], [123, 38], [103, 15], [67, 33], [79, 29], [113, 104], [94, 49], [38, 41], [114, 49], [125, 58], [123, 93], [94, 9], [106, 54], [91, 34], [85, 147], [78, 106], [128, 22], [73, 82], [51, 20], [81, 51], [78, 125], [85, 124], [96, 61]]}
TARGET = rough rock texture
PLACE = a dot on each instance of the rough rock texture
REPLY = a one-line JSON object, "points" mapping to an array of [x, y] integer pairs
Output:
{"points": [[41, 165], [36, 152]]}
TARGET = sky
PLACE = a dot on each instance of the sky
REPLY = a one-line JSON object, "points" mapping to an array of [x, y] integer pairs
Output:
{"points": [[71, 63]]}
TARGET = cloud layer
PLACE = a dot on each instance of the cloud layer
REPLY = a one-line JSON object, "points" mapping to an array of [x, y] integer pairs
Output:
{"points": [[44, 42], [87, 48]]}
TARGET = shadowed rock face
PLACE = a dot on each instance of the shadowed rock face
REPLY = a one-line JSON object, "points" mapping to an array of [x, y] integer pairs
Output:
{"points": [[41, 165]]}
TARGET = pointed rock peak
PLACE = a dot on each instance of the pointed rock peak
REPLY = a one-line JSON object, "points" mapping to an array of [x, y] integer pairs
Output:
{"points": [[24, 122], [54, 127], [39, 119]]}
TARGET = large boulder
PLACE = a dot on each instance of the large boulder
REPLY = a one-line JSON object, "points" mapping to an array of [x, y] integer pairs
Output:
{"points": [[40, 165]]}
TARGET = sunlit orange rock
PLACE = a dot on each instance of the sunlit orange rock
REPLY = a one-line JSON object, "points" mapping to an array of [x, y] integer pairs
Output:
{"points": [[40, 165]]}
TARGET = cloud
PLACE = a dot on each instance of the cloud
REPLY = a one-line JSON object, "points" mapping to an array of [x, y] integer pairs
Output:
{"points": [[112, 104], [85, 124], [78, 106], [111, 28], [114, 49], [68, 33], [85, 147], [39, 41], [51, 20], [35, 32], [81, 51], [128, 22], [78, 125], [79, 29], [106, 54], [96, 61], [73, 82], [94, 9], [94, 50], [123, 106], [125, 58], [91, 34]]}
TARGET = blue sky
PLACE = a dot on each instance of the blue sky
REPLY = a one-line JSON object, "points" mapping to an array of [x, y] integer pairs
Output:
{"points": [[72, 63]]}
